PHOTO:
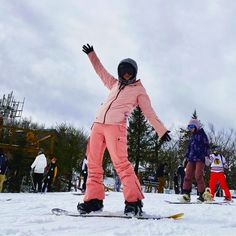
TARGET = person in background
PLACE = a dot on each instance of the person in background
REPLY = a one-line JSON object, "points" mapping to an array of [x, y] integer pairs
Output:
{"points": [[218, 164], [84, 173], [110, 131], [181, 175], [51, 173], [117, 181], [38, 168], [218, 190], [176, 183], [3, 168], [198, 150], [160, 175]]}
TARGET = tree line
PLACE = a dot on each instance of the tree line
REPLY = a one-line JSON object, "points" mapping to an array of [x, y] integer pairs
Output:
{"points": [[144, 149]]}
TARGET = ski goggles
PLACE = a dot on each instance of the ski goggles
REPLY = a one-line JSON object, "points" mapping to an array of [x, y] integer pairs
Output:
{"points": [[191, 126], [125, 68]]}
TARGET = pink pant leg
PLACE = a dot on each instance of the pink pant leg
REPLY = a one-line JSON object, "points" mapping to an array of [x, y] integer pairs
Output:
{"points": [[95, 150], [116, 141]]}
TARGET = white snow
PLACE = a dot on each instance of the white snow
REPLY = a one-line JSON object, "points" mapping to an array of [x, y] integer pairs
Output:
{"points": [[29, 214]]}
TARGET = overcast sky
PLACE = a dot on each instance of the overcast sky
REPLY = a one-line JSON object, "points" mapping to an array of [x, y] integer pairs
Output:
{"points": [[185, 51]]}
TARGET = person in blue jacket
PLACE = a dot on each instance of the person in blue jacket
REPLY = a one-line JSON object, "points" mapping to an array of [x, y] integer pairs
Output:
{"points": [[198, 150]]}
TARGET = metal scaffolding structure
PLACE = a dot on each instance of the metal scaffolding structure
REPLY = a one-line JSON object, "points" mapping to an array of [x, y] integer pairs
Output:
{"points": [[10, 109], [13, 137]]}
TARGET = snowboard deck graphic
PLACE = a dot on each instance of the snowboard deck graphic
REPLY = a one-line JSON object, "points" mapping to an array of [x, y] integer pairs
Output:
{"points": [[210, 203], [59, 212]]}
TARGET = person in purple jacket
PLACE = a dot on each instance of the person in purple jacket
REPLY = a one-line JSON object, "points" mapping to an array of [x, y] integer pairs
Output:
{"points": [[198, 149]]}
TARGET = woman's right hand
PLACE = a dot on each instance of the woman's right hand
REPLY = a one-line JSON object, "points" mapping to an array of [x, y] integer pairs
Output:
{"points": [[87, 48]]}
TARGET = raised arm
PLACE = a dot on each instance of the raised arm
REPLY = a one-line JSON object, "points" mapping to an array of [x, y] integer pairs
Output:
{"points": [[106, 77]]}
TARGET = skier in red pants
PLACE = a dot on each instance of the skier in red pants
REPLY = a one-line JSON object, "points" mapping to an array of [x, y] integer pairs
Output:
{"points": [[218, 164], [109, 131]]}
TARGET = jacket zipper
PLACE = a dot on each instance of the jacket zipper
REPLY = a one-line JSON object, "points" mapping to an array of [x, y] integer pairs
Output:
{"points": [[111, 104]]}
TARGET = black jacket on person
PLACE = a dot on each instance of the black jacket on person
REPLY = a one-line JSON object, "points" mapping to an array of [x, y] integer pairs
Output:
{"points": [[3, 164], [161, 170], [181, 171], [51, 170]]}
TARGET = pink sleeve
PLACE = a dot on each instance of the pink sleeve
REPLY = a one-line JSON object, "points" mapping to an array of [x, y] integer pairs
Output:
{"points": [[146, 107], [106, 77]]}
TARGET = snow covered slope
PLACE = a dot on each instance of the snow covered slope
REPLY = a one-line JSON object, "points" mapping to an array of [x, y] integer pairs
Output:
{"points": [[29, 214]]}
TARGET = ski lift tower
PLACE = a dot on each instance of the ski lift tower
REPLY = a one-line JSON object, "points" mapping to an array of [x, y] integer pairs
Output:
{"points": [[10, 109]]}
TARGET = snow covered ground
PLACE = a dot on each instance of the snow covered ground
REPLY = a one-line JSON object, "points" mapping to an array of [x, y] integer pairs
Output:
{"points": [[29, 214]]}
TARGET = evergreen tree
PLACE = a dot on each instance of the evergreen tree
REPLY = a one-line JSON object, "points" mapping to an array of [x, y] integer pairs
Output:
{"points": [[70, 150], [139, 131], [194, 115], [153, 157]]}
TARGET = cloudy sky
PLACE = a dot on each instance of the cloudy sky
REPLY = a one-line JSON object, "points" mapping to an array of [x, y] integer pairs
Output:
{"points": [[185, 50]]}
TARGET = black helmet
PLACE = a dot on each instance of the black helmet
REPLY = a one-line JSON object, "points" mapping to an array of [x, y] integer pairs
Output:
{"points": [[127, 66]]}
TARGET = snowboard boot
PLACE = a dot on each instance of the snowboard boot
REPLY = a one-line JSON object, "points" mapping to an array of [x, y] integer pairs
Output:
{"points": [[186, 196], [227, 199], [204, 197], [200, 198], [133, 208], [89, 206], [207, 196]]}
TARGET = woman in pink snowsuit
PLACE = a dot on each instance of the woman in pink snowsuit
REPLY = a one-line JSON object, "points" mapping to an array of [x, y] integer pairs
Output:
{"points": [[109, 131]]}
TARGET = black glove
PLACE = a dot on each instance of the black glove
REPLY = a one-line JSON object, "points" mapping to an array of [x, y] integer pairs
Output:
{"points": [[87, 48], [165, 138]]}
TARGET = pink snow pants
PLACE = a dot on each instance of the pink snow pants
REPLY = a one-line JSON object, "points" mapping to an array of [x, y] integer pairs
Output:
{"points": [[114, 138]]}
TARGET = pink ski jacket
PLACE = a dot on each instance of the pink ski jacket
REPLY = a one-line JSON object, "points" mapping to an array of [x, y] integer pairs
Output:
{"points": [[121, 102]]}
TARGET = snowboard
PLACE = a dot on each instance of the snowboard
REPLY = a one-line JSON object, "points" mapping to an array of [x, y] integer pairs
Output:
{"points": [[82, 194], [78, 194], [213, 203], [59, 212], [5, 200]]}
